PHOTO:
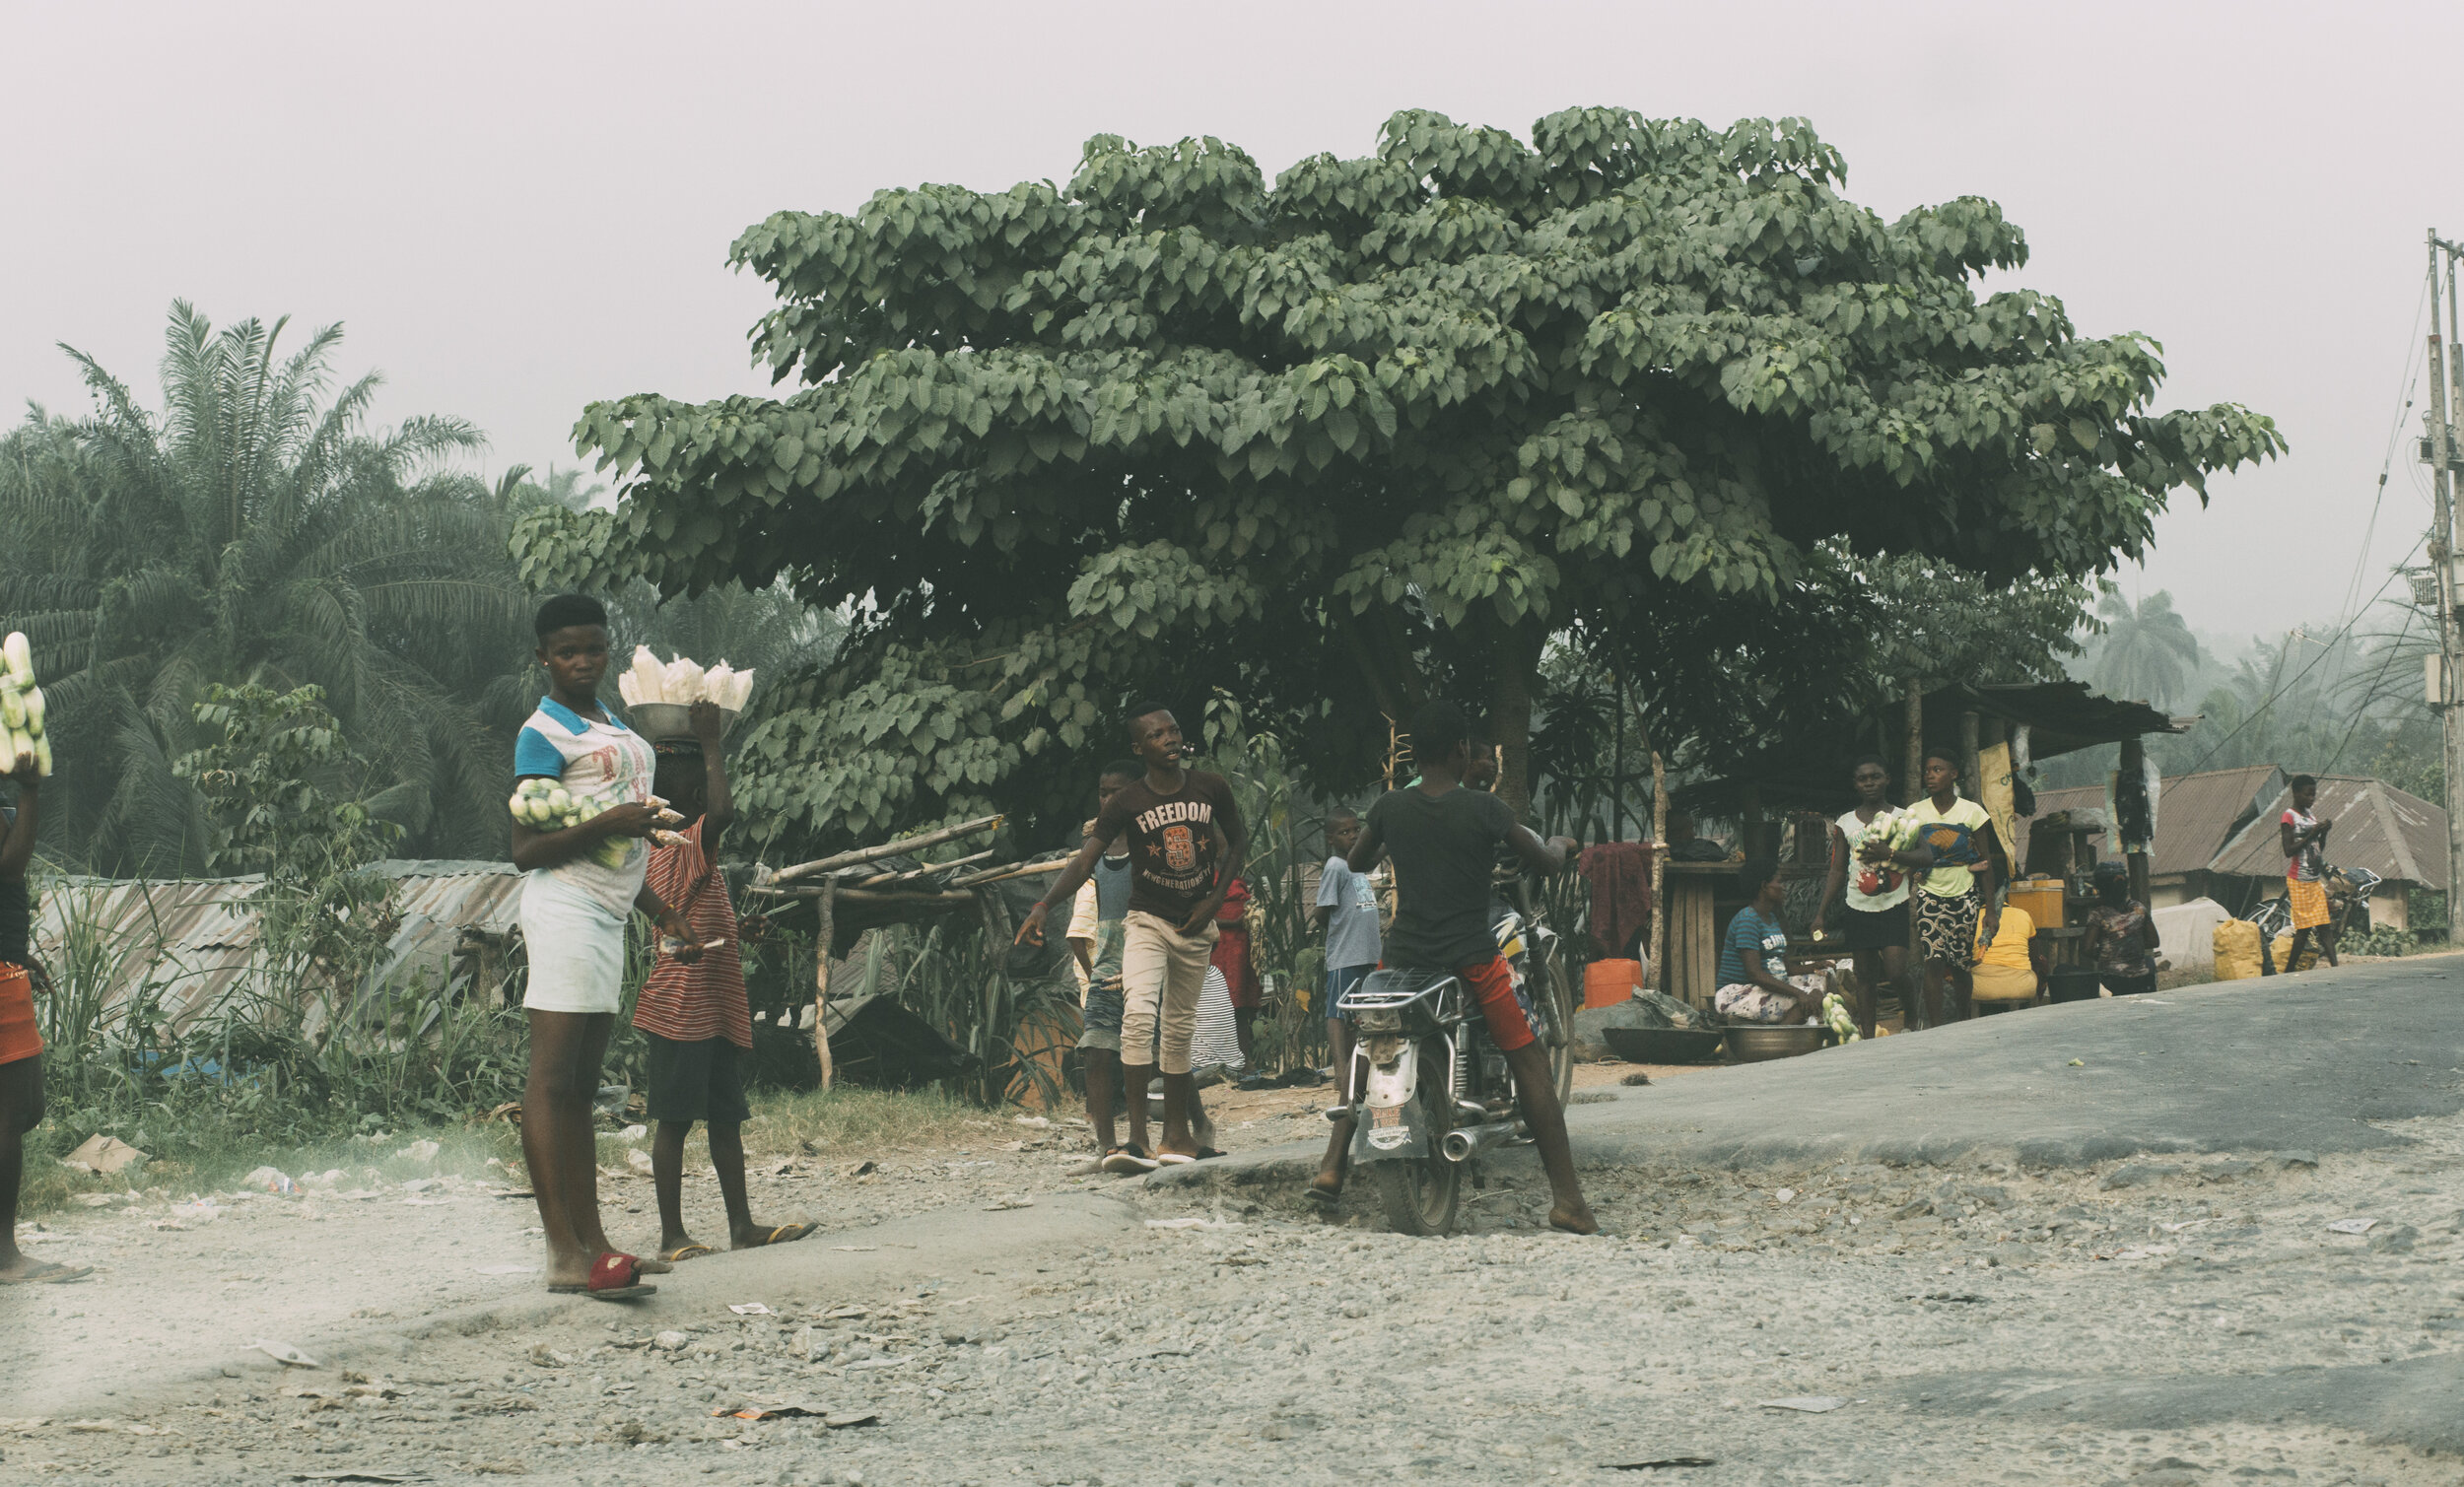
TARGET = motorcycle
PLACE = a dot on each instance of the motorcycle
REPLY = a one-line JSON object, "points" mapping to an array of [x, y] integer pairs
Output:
{"points": [[2348, 889], [1427, 1092]]}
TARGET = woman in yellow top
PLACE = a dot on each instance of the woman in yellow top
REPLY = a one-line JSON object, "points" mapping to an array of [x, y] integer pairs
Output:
{"points": [[2013, 965]]}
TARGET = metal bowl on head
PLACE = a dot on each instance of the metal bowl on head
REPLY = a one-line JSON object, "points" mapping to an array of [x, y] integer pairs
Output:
{"points": [[663, 720], [1664, 1044], [1754, 1042]]}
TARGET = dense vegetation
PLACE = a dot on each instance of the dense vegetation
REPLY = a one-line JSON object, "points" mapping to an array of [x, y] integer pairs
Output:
{"points": [[255, 530], [1384, 426]]}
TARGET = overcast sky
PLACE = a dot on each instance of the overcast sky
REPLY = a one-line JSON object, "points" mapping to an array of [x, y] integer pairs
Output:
{"points": [[516, 208]]}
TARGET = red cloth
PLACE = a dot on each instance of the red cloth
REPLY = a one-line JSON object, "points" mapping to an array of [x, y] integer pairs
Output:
{"points": [[1619, 873], [1231, 952], [19, 1036], [706, 999], [1492, 986], [18, 1033]]}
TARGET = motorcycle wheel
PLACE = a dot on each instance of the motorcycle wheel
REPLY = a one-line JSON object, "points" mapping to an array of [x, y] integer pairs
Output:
{"points": [[1420, 1195]]}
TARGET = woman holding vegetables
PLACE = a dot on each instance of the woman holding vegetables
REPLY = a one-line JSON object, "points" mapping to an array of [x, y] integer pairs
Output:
{"points": [[583, 861], [1871, 852]]}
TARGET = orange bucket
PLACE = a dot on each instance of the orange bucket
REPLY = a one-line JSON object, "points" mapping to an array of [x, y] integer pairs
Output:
{"points": [[1609, 982]]}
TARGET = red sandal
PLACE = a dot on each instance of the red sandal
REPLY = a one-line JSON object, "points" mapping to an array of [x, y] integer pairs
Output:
{"points": [[617, 1277]]}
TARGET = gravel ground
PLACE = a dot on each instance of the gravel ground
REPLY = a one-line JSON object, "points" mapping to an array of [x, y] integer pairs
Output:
{"points": [[1023, 1325]]}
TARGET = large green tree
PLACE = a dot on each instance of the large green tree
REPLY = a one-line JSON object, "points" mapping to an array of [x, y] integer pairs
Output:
{"points": [[1382, 427], [256, 530]]}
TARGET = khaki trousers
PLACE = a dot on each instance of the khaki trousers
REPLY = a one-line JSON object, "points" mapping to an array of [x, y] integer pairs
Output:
{"points": [[1162, 971]]}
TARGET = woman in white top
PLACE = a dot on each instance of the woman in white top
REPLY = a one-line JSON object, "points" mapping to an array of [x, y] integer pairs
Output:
{"points": [[1871, 882]]}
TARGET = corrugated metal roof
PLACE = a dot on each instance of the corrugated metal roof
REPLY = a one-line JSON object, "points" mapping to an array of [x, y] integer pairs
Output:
{"points": [[2195, 816], [193, 942], [2399, 836]]}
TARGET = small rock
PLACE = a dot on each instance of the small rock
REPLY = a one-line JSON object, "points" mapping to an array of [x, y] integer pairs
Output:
{"points": [[2396, 1240], [2137, 1175], [2219, 1170], [2297, 1159], [670, 1342], [420, 1151]]}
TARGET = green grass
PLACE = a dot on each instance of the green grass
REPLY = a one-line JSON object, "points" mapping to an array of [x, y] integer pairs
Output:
{"points": [[859, 1123]]}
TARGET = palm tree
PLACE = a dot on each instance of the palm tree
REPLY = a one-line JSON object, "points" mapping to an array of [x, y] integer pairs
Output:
{"points": [[2149, 651], [257, 531]]}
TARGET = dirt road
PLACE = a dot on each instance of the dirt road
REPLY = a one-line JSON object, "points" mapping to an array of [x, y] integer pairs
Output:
{"points": [[2152, 1320]]}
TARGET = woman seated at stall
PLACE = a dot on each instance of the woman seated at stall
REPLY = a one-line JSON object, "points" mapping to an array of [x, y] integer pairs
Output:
{"points": [[2011, 966], [1754, 983], [2122, 938]]}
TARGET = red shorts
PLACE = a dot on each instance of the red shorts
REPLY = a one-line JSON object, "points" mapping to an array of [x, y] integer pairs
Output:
{"points": [[18, 1036], [1492, 986]]}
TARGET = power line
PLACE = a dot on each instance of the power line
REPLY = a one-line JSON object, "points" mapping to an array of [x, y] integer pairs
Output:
{"points": [[2394, 647], [2325, 650], [2351, 615]]}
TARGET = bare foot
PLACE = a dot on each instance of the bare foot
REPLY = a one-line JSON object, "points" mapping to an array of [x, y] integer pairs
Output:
{"points": [[1328, 1185], [1573, 1219]]}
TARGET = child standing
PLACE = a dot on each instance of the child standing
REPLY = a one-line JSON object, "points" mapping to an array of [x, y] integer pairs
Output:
{"points": [[1098, 929], [581, 883], [20, 1044], [694, 1014]]}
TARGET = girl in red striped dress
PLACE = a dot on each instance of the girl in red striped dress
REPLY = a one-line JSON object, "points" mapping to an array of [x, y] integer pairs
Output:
{"points": [[695, 1016]]}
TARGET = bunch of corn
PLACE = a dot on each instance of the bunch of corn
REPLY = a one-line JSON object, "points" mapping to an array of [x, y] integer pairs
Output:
{"points": [[682, 682], [20, 706], [547, 806]]}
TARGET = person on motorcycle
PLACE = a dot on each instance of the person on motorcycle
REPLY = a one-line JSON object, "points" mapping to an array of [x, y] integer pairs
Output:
{"points": [[1443, 838]]}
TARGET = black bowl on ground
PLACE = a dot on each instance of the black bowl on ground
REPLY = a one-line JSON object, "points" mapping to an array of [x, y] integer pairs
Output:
{"points": [[1755, 1042], [1666, 1045], [2069, 984]]}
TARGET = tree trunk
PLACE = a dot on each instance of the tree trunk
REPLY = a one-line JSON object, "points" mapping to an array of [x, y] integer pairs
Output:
{"points": [[1517, 665]]}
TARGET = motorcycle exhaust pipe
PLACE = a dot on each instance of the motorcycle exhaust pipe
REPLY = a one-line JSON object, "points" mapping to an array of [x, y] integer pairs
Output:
{"points": [[1466, 1142]]}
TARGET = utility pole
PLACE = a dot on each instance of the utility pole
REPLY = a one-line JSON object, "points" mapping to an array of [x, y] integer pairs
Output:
{"points": [[2450, 634]]}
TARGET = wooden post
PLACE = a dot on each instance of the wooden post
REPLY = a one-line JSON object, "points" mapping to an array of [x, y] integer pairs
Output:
{"points": [[1912, 783], [1972, 766], [1616, 768], [1658, 979], [2134, 774], [828, 931]]}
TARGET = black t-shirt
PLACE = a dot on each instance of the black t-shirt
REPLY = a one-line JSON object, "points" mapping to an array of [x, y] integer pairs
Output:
{"points": [[1172, 841], [1442, 848]]}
